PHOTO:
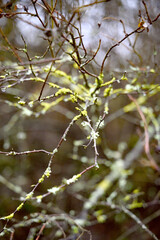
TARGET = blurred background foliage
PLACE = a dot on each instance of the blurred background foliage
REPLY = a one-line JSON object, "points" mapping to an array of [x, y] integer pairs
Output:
{"points": [[40, 42]]}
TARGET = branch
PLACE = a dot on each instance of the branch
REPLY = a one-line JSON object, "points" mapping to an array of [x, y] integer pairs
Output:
{"points": [[149, 19], [117, 44], [13, 153], [10, 45], [146, 145]]}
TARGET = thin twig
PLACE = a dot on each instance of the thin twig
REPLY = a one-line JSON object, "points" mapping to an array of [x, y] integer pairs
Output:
{"points": [[37, 15], [117, 44], [94, 55], [146, 145], [48, 7], [146, 9], [10, 45], [41, 230], [49, 71], [40, 61], [29, 59], [137, 220], [13, 153], [91, 4]]}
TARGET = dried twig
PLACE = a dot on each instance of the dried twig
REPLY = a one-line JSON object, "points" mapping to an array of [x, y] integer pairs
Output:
{"points": [[41, 230], [146, 9], [13, 153], [117, 44], [10, 45], [146, 145]]}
